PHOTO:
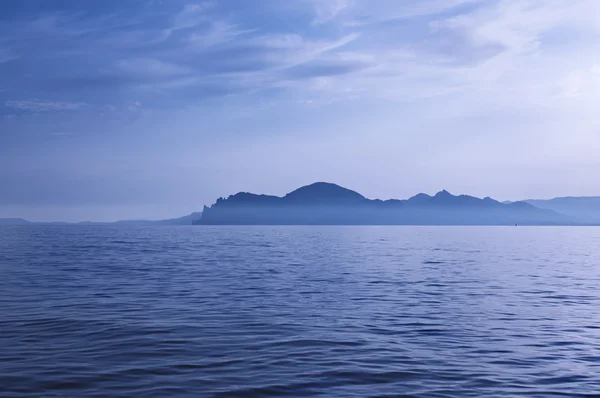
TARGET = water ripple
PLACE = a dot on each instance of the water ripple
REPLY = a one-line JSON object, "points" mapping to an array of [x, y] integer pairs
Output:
{"points": [[299, 311]]}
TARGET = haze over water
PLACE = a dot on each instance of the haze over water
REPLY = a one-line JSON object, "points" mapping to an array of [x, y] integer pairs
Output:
{"points": [[299, 311]]}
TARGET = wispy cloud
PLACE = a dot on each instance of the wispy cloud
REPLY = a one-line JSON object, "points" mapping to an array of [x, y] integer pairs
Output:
{"points": [[61, 134], [192, 15], [362, 13], [150, 67], [329, 9], [220, 32], [383, 49], [44, 106], [6, 55]]}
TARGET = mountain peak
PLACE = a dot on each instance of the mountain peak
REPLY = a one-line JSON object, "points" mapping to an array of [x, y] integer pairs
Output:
{"points": [[420, 198], [487, 199], [443, 194], [324, 191]]}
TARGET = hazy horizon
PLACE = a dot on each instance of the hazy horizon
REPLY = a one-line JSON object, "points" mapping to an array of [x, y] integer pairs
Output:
{"points": [[173, 215], [151, 109]]}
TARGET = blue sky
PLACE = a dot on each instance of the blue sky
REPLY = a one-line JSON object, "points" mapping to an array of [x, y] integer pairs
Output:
{"points": [[151, 109]]}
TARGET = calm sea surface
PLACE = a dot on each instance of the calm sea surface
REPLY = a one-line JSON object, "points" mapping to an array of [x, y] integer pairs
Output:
{"points": [[299, 311]]}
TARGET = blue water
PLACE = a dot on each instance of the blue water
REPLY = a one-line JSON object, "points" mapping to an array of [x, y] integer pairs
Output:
{"points": [[299, 311]]}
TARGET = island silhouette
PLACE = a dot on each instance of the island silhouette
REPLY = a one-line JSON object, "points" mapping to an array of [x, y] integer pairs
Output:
{"points": [[323, 203]]}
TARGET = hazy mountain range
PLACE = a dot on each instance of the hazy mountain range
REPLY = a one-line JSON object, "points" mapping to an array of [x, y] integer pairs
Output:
{"points": [[185, 220], [324, 203], [582, 209], [329, 204]]}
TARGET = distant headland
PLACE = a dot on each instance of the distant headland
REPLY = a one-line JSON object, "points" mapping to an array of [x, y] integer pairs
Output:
{"points": [[185, 220], [324, 203]]}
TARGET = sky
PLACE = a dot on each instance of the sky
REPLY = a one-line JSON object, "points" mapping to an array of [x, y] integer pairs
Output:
{"points": [[129, 109]]}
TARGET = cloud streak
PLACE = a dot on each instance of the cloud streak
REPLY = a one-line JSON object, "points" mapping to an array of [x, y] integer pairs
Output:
{"points": [[445, 47], [6, 55], [44, 106]]}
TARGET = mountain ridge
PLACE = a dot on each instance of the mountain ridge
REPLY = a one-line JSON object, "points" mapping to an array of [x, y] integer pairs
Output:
{"points": [[571, 210], [327, 203], [185, 220], [582, 208]]}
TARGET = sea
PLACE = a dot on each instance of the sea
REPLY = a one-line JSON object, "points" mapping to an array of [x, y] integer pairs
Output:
{"points": [[282, 311]]}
